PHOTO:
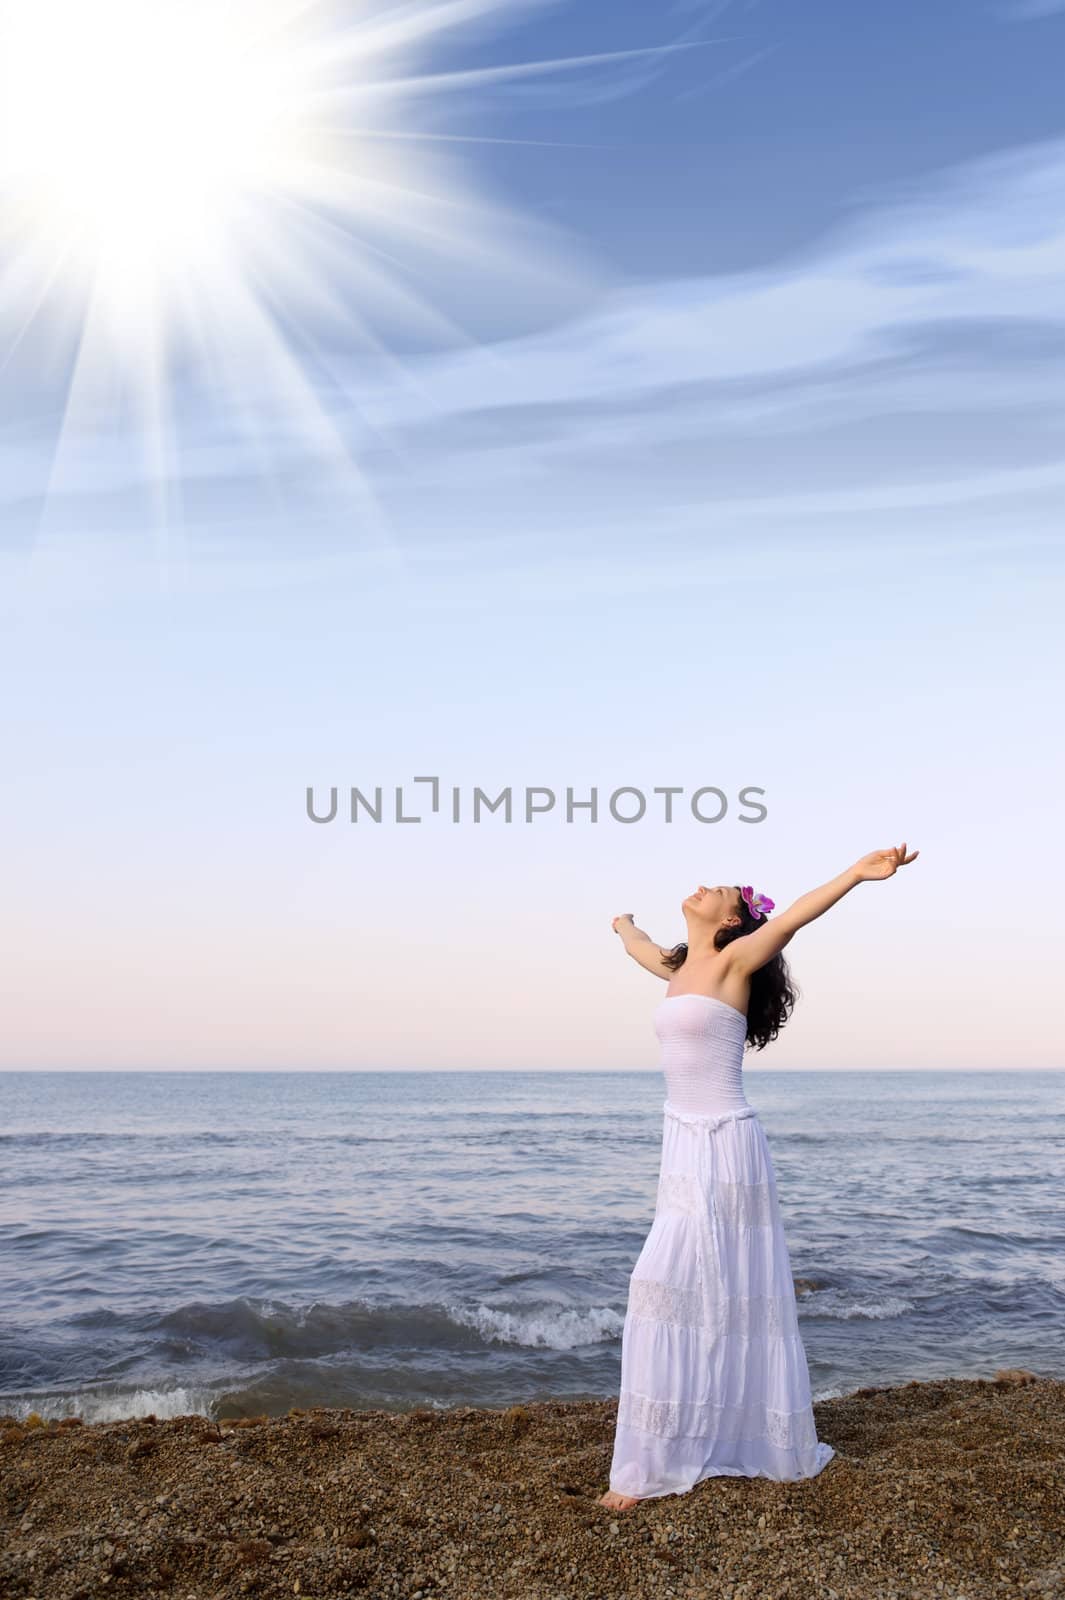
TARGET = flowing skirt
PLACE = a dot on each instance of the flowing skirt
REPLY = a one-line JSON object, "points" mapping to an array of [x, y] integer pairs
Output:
{"points": [[714, 1379]]}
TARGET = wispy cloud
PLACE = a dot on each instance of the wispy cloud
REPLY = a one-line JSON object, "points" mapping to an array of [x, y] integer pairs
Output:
{"points": [[729, 74], [977, 245], [907, 362], [1028, 10]]}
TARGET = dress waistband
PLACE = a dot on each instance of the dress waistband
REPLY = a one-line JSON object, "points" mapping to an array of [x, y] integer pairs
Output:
{"points": [[704, 1120]]}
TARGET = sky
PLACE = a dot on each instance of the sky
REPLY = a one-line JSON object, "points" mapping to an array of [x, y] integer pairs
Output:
{"points": [[627, 398]]}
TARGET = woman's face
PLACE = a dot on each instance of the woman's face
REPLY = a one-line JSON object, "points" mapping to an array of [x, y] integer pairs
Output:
{"points": [[713, 905]]}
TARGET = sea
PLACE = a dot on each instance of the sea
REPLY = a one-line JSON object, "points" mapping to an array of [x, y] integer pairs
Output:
{"points": [[240, 1243]]}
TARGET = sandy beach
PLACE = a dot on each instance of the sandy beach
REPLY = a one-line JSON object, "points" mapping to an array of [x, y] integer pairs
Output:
{"points": [[953, 1488]]}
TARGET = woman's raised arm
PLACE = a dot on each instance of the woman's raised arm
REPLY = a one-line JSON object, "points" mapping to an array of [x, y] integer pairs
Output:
{"points": [[755, 949], [640, 946]]}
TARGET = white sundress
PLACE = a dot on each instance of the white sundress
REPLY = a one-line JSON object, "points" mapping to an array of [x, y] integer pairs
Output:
{"points": [[714, 1378]]}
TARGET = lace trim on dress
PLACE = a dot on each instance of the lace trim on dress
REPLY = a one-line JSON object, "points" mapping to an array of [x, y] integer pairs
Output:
{"points": [[753, 1316], [739, 1205], [661, 1302], [788, 1430], [678, 1192]]}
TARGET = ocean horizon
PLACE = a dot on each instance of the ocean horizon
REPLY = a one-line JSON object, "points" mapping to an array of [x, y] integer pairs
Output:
{"points": [[493, 1071]]}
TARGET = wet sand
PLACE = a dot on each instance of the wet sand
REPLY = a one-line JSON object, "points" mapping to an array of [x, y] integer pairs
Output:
{"points": [[953, 1489]]}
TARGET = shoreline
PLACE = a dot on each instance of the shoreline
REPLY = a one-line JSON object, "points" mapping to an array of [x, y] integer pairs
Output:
{"points": [[952, 1488]]}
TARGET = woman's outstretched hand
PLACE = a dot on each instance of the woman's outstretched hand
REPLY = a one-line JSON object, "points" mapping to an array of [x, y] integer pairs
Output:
{"points": [[622, 917], [884, 863]]}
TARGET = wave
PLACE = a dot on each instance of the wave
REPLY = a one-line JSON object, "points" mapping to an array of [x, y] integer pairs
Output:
{"points": [[250, 1329], [843, 1307], [251, 1351], [74, 1138], [553, 1328], [116, 1405]]}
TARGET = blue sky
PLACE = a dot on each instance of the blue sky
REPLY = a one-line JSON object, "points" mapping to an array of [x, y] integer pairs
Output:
{"points": [[723, 449]]}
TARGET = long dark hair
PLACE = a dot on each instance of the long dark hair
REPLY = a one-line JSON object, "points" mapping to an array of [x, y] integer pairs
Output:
{"points": [[773, 989]]}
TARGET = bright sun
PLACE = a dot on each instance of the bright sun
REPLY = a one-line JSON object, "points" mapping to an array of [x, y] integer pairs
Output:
{"points": [[133, 132], [136, 127], [214, 184]]}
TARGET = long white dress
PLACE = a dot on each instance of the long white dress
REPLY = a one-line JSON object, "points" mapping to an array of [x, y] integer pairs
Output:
{"points": [[714, 1378]]}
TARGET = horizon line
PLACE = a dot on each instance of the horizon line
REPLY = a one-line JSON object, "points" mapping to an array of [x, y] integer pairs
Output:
{"points": [[488, 1071]]}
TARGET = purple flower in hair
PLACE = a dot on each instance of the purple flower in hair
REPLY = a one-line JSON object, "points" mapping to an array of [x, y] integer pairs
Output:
{"points": [[759, 905]]}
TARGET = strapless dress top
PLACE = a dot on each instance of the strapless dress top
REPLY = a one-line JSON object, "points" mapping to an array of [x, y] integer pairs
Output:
{"points": [[702, 1042]]}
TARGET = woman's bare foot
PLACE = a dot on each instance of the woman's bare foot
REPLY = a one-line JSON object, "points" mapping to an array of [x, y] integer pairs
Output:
{"points": [[618, 1502]]}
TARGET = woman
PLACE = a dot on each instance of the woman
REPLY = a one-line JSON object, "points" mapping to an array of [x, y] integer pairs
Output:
{"points": [[714, 1379]]}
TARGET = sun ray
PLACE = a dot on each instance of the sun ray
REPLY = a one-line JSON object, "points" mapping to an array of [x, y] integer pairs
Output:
{"points": [[469, 138], [478, 77], [191, 203]]}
